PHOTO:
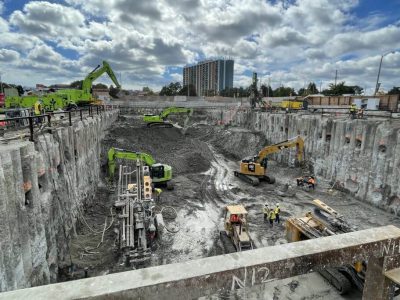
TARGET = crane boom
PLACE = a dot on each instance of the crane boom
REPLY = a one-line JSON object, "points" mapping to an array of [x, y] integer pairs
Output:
{"points": [[294, 142], [96, 73]]}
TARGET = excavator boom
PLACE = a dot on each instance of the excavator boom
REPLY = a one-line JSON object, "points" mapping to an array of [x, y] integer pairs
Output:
{"points": [[294, 142], [161, 174], [174, 110], [160, 119], [96, 73], [114, 153]]}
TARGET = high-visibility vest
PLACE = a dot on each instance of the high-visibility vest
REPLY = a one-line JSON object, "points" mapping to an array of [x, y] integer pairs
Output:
{"points": [[265, 210], [272, 215], [38, 108], [277, 210]]}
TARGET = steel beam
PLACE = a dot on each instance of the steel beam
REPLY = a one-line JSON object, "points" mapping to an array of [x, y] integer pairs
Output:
{"points": [[226, 273]]}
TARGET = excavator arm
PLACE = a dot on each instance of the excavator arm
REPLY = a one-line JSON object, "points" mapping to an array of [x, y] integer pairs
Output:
{"points": [[175, 110], [96, 73], [115, 153], [294, 142]]}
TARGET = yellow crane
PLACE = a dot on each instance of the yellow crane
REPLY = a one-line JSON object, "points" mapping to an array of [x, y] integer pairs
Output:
{"points": [[254, 169]]}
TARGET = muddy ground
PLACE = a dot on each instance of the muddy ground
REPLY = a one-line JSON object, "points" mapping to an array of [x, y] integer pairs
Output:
{"points": [[203, 158]]}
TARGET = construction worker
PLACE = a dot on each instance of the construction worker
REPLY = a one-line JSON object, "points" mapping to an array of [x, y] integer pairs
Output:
{"points": [[311, 182], [38, 110], [265, 211], [277, 211], [158, 192], [353, 110], [360, 113], [271, 217]]}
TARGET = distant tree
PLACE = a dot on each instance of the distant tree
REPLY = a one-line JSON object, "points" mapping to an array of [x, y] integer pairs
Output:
{"points": [[284, 92], [311, 89], [99, 86], [302, 92], [172, 89], [341, 88], [148, 90], [113, 91], [267, 91], [235, 92], [394, 91], [184, 90], [77, 84]]}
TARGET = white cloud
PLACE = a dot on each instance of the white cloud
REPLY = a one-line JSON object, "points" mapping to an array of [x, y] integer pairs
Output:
{"points": [[7, 56], [48, 20], [291, 42]]}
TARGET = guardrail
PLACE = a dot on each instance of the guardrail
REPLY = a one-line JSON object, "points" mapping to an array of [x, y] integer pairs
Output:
{"points": [[33, 121]]}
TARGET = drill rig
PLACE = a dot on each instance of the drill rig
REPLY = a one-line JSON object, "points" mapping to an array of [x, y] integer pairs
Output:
{"points": [[138, 225]]}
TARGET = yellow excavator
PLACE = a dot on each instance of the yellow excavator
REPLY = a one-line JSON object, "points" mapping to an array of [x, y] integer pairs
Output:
{"points": [[254, 169]]}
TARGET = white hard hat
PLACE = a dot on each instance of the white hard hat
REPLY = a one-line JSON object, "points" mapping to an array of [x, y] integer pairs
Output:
{"points": [[277, 204], [266, 204]]}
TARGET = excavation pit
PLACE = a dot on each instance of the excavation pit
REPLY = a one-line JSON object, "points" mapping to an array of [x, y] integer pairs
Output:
{"points": [[75, 202]]}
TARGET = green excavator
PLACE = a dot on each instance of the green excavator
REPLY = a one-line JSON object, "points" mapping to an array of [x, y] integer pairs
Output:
{"points": [[160, 120], [65, 98], [160, 174]]}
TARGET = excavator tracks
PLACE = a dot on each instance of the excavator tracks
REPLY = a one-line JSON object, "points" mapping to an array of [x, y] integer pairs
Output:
{"points": [[249, 179], [227, 243], [159, 125], [337, 279]]}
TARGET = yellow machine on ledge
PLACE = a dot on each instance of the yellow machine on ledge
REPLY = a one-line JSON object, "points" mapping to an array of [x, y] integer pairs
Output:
{"points": [[254, 169], [236, 235], [325, 221]]}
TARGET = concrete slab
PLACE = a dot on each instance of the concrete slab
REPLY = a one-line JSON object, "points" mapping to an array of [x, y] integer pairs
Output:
{"points": [[226, 273]]}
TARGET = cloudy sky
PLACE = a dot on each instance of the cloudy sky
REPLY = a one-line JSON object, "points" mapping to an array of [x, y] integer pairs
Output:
{"points": [[147, 42]]}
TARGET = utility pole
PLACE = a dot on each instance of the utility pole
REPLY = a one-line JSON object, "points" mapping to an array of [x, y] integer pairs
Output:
{"points": [[335, 79], [379, 72]]}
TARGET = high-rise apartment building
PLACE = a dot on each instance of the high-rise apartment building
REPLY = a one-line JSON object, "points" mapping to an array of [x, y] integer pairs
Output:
{"points": [[209, 77]]}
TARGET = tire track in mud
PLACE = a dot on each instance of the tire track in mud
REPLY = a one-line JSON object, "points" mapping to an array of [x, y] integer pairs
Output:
{"points": [[216, 185]]}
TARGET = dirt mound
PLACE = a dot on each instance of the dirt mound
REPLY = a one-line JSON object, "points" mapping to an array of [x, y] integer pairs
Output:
{"points": [[166, 145], [233, 143]]}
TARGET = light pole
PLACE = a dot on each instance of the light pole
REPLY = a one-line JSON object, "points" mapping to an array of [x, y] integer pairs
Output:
{"points": [[379, 72]]}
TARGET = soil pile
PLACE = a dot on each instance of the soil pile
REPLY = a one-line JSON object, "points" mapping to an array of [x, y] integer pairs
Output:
{"points": [[166, 145]]}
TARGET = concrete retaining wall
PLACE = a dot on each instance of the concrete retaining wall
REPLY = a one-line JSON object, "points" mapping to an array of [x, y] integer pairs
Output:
{"points": [[361, 156], [43, 186]]}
